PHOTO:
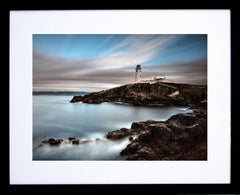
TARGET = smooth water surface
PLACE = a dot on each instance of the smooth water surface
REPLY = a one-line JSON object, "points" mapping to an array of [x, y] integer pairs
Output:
{"points": [[54, 116]]}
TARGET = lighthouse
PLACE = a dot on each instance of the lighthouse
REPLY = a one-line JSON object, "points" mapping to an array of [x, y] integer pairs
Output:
{"points": [[138, 74]]}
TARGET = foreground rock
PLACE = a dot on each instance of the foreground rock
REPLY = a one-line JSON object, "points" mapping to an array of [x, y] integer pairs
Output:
{"points": [[124, 132], [181, 137], [149, 94], [53, 142], [58, 142], [136, 129]]}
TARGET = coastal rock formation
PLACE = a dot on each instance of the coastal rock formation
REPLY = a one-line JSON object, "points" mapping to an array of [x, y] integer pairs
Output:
{"points": [[53, 142], [118, 134], [149, 94], [58, 142], [123, 132], [181, 137]]}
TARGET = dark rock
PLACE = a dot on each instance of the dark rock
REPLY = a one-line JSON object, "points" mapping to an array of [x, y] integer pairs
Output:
{"points": [[48, 140], [72, 138], [181, 137], [130, 138], [75, 141], [138, 125], [149, 94], [121, 133], [76, 99], [53, 142], [56, 142]]}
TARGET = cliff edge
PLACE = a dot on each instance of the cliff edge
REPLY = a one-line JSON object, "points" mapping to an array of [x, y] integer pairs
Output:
{"points": [[150, 94]]}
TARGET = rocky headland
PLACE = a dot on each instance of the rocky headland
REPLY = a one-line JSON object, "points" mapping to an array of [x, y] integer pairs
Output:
{"points": [[169, 94], [181, 137]]}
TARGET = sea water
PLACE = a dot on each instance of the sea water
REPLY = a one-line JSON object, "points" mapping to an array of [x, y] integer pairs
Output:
{"points": [[56, 117]]}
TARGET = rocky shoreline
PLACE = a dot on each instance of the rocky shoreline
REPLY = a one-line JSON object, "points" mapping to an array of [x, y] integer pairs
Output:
{"points": [[57, 142], [139, 94], [181, 137]]}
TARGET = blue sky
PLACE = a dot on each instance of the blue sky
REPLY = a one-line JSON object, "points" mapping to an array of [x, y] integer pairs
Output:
{"points": [[99, 61]]}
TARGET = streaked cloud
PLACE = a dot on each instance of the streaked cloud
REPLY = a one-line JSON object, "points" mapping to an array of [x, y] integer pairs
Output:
{"points": [[193, 72], [114, 64]]}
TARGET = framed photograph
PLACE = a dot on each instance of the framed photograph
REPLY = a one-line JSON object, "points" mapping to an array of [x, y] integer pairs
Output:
{"points": [[120, 97]]}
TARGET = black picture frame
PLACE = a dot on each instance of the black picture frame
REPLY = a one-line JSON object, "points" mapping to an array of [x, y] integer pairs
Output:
{"points": [[232, 188]]}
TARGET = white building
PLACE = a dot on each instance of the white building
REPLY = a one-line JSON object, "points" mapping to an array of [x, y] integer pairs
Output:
{"points": [[138, 74], [156, 79]]}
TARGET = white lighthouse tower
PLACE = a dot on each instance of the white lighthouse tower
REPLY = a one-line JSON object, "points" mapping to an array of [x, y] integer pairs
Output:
{"points": [[138, 74]]}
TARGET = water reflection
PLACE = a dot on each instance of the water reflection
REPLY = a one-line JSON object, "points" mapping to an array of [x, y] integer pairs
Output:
{"points": [[54, 116]]}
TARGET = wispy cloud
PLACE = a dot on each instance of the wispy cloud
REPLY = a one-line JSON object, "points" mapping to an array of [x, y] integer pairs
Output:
{"points": [[135, 49], [114, 66], [193, 72], [54, 72]]}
